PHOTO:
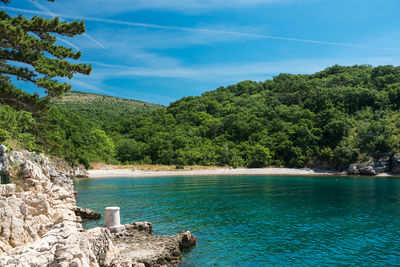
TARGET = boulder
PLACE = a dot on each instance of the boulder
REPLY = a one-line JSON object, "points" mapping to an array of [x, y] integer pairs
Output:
{"points": [[382, 164], [139, 246], [187, 241], [7, 190], [366, 169], [395, 164], [140, 226], [86, 214], [352, 169], [79, 173], [103, 246]]}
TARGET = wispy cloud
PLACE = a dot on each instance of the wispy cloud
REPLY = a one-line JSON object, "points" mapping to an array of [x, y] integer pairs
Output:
{"points": [[68, 43], [48, 12], [233, 72], [206, 30], [106, 7], [200, 78]]}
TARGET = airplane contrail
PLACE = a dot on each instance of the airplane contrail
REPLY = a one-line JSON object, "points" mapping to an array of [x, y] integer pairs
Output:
{"points": [[50, 13], [68, 43], [205, 30]]}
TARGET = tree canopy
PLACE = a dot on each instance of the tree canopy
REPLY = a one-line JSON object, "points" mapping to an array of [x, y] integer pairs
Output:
{"points": [[28, 51]]}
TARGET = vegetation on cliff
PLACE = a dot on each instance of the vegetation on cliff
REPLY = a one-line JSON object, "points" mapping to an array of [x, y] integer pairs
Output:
{"points": [[332, 118]]}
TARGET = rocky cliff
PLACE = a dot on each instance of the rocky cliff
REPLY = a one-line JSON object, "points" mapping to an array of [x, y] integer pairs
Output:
{"points": [[39, 227], [385, 164]]}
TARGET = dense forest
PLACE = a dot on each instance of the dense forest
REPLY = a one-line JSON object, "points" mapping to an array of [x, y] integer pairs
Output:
{"points": [[330, 119], [45, 125]]}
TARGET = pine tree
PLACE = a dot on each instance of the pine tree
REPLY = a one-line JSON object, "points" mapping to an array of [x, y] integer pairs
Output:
{"points": [[32, 42]]}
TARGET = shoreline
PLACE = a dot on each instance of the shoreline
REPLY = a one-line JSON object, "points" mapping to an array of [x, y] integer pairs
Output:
{"points": [[129, 173], [216, 172]]}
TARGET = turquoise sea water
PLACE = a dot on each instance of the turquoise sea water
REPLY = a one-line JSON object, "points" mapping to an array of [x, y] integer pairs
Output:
{"points": [[256, 221]]}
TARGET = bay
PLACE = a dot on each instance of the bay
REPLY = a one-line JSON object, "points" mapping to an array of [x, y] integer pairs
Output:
{"points": [[262, 220]]}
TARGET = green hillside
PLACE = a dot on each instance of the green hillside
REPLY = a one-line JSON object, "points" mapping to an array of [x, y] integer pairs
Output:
{"points": [[101, 108], [329, 119], [70, 128]]}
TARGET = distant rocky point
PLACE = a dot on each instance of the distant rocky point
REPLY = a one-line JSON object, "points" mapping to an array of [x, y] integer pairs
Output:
{"points": [[385, 164]]}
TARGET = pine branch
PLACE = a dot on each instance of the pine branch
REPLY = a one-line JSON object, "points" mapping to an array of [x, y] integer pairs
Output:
{"points": [[30, 41]]}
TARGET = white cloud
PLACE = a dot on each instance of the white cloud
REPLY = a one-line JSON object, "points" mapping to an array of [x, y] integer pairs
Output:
{"points": [[107, 8], [48, 12], [210, 31], [233, 72]]}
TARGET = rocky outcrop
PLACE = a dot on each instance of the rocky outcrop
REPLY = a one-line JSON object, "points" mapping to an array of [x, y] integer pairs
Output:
{"points": [[395, 168], [4, 170], [147, 227], [63, 245], [141, 247], [44, 199], [373, 167], [39, 224], [362, 169], [86, 214], [79, 172], [103, 247]]}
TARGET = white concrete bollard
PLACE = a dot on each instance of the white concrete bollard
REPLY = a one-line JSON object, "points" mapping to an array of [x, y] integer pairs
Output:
{"points": [[112, 220]]}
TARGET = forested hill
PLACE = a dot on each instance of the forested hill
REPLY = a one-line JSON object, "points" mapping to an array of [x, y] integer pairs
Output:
{"points": [[329, 119], [100, 108], [71, 128], [332, 118]]}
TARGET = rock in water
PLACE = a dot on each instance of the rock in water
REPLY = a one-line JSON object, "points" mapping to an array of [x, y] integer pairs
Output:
{"points": [[140, 226], [86, 214], [137, 246]]}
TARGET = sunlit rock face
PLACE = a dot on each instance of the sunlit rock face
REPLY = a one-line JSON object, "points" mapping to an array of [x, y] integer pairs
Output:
{"points": [[37, 219], [39, 225]]}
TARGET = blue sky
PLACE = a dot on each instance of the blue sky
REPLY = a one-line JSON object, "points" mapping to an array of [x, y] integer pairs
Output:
{"points": [[159, 51]]}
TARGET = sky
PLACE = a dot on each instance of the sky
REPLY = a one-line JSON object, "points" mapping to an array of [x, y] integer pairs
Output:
{"points": [[159, 51]]}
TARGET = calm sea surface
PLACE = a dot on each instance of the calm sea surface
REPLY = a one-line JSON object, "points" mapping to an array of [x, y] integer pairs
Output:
{"points": [[253, 221]]}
